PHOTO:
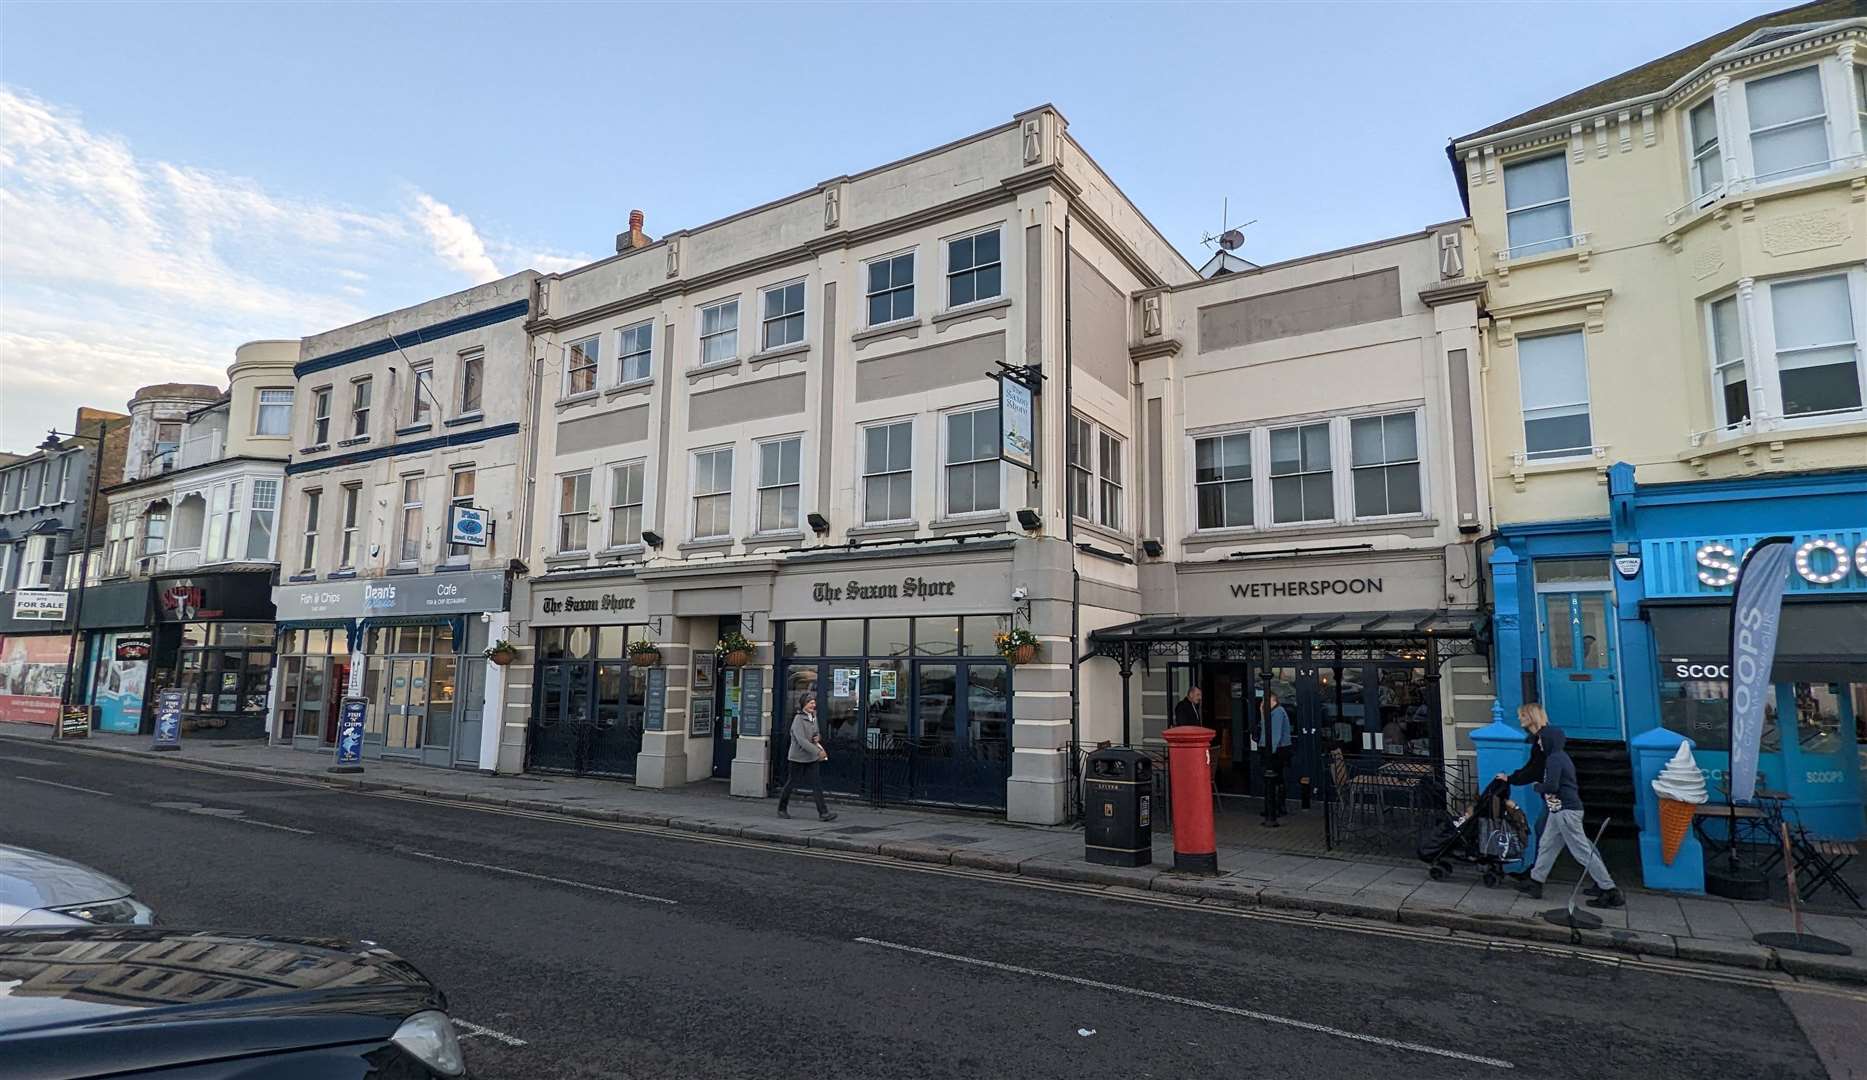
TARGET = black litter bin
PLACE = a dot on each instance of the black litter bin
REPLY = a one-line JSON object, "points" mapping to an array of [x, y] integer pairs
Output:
{"points": [[1118, 799]]}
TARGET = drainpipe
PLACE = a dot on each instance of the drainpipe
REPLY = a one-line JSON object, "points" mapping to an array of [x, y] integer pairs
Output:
{"points": [[1069, 522]]}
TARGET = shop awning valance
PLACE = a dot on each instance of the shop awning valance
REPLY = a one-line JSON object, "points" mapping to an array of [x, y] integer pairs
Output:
{"points": [[1818, 640], [1446, 632]]}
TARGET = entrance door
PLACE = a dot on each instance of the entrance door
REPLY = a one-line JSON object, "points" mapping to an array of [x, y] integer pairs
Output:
{"points": [[726, 711], [1579, 669], [960, 741], [472, 695], [437, 734], [840, 727], [407, 705]]}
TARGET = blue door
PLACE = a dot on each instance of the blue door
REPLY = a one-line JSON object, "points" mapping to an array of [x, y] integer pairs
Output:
{"points": [[1580, 674]]}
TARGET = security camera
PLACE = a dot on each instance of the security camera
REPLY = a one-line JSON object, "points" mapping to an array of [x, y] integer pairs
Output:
{"points": [[1019, 593], [486, 616]]}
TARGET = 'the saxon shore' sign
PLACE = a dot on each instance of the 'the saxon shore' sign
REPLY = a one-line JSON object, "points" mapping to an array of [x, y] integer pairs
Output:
{"points": [[913, 588]]}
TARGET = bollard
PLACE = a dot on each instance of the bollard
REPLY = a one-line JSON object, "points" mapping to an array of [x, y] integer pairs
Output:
{"points": [[1195, 850]]}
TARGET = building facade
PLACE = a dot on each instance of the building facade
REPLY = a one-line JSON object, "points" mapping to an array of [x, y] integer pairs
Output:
{"points": [[783, 425], [401, 522], [1676, 269], [44, 518], [1310, 473], [184, 576]]}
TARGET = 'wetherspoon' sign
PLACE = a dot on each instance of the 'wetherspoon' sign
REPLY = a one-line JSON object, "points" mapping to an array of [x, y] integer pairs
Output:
{"points": [[912, 588]]}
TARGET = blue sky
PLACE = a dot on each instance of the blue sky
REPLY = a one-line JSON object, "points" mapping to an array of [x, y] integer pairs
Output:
{"points": [[178, 178]]}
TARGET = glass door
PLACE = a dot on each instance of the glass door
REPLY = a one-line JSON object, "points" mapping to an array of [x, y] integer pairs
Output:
{"points": [[437, 735], [1579, 671], [726, 720], [840, 725], [407, 704]]}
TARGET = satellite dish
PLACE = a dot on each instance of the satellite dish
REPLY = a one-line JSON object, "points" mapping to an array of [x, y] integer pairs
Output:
{"points": [[1231, 240]]}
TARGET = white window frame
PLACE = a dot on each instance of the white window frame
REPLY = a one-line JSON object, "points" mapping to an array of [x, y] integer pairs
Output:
{"points": [[946, 251], [314, 509], [214, 535], [1743, 362], [625, 355], [471, 360], [696, 494], [167, 518], [864, 473], [282, 399], [33, 486], [1572, 453], [1341, 469], [1418, 461], [912, 287], [266, 491], [1554, 243], [616, 471], [760, 486], [362, 399], [802, 315], [1249, 435], [419, 506], [350, 525], [1332, 471], [421, 381], [1822, 120], [1696, 158], [63, 492], [10, 482], [32, 562], [460, 553], [724, 329], [947, 464], [6, 554], [574, 518], [578, 359], [1097, 513], [321, 399], [1765, 371]]}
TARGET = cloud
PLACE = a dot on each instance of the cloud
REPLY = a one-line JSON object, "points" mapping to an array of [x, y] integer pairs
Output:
{"points": [[118, 270], [455, 239]]}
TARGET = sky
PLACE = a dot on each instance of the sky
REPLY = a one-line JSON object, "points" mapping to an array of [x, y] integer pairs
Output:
{"points": [[176, 179]]}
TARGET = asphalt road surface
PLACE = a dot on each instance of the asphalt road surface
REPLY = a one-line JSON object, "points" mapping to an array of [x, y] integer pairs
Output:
{"points": [[578, 950]]}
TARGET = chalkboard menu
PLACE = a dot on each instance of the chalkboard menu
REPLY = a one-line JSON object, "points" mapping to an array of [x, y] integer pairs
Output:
{"points": [[751, 702], [656, 717]]}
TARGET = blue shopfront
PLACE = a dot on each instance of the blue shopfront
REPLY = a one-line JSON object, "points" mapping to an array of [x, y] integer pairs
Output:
{"points": [[1621, 625]]}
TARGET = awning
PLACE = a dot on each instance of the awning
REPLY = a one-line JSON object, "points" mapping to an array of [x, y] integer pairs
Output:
{"points": [[1819, 640], [1330, 626]]}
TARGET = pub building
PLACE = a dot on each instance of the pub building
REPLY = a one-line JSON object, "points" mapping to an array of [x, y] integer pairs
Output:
{"points": [[414, 647], [1626, 627]]}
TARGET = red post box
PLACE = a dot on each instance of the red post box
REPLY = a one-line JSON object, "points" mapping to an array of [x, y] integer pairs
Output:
{"points": [[1189, 768]]}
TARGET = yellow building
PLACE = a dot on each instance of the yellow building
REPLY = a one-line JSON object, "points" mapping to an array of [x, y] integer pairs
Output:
{"points": [[1675, 262]]}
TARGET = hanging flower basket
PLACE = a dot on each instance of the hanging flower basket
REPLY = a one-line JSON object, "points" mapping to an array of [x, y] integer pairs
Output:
{"points": [[1018, 646], [735, 650], [644, 653], [502, 653]]}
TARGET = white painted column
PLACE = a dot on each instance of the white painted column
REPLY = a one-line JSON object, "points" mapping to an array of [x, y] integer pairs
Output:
{"points": [[492, 703]]}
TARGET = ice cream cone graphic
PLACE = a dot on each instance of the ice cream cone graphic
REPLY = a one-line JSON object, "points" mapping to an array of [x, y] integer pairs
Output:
{"points": [[1681, 790]]}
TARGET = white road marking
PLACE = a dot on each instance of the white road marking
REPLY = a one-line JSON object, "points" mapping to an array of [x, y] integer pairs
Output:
{"points": [[541, 877], [473, 1029], [67, 787], [1195, 1003], [270, 825], [227, 813]]}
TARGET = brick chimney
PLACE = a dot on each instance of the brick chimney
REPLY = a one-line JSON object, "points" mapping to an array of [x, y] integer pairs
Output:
{"points": [[635, 237]]}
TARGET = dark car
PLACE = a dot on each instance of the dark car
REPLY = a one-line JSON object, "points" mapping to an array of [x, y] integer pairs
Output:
{"points": [[145, 1001]]}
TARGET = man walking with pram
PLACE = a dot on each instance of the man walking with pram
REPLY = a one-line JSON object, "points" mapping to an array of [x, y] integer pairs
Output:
{"points": [[1563, 797]]}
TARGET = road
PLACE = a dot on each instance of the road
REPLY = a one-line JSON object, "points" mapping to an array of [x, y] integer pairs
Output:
{"points": [[581, 950]]}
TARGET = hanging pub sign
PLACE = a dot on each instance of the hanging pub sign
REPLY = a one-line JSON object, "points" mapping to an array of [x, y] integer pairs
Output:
{"points": [[467, 526], [1017, 435]]}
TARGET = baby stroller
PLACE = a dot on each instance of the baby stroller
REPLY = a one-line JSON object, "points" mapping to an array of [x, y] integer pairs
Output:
{"points": [[1492, 833]]}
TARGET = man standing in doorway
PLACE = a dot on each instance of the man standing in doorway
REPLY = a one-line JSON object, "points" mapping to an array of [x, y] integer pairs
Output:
{"points": [[806, 756], [1276, 757], [1188, 712]]}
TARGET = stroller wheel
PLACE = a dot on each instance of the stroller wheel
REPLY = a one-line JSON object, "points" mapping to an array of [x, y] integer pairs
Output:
{"points": [[1439, 872], [1492, 877]]}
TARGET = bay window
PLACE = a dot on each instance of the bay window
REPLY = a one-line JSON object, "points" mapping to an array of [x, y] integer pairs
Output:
{"points": [[1707, 160], [274, 413], [1788, 124], [1730, 380], [259, 520], [1816, 345]]}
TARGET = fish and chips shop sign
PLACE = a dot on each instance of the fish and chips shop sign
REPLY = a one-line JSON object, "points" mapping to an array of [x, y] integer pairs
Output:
{"points": [[426, 594]]}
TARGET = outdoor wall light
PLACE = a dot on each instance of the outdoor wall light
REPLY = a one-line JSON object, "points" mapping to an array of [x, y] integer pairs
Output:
{"points": [[1029, 519], [818, 523], [651, 538], [1152, 548]]}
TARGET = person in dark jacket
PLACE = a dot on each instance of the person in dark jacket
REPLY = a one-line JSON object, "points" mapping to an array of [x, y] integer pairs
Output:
{"points": [[1276, 758], [1562, 795], [1534, 722], [1188, 713]]}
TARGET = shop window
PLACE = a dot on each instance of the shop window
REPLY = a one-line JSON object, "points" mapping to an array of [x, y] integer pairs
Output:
{"points": [[843, 637], [1566, 571], [803, 637], [979, 634], [890, 637]]}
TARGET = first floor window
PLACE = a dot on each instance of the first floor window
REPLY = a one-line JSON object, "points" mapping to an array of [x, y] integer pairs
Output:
{"points": [[1302, 481], [464, 481], [778, 485], [156, 529], [275, 413], [888, 472], [972, 466], [1553, 370], [1095, 467], [259, 520], [347, 552], [890, 291], [116, 540], [1536, 200], [33, 570], [1817, 352], [713, 493], [719, 332], [625, 504], [783, 321], [580, 362], [1730, 380], [1788, 125], [1222, 481], [973, 271], [411, 521], [1384, 454], [314, 501], [1082, 467], [637, 349], [217, 524], [574, 512], [63, 490], [1109, 479]]}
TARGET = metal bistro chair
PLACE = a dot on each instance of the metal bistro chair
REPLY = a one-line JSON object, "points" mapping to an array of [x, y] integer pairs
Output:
{"points": [[1820, 863]]}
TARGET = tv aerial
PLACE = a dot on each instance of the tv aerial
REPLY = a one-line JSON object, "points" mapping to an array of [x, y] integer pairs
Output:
{"points": [[1227, 238]]}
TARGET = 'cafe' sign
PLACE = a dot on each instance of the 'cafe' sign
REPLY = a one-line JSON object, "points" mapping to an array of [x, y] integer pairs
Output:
{"points": [[1819, 560]]}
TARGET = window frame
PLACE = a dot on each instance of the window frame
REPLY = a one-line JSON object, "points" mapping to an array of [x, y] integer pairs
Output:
{"points": [[617, 469], [419, 504], [1822, 120], [1763, 312], [1098, 483], [578, 360], [314, 509], [271, 512], [802, 315], [624, 355], [703, 337], [421, 410], [948, 464], [946, 248], [261, 405], [1418, 461], [1257, 435], [579, 517], [472, 364], [1271, 476], [864, 473], [460, 553], [1554, 244], [760, 486], [868, 294], [695, 495], [1708, 316], [1697, 156], [350, 527], [1249, 434], [362, 401], [150, 517], [321, 399], [1564, 454]]}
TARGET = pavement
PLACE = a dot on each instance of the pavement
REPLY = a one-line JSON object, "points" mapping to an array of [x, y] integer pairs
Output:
{"points": [[579, 946], [1699, 929]]}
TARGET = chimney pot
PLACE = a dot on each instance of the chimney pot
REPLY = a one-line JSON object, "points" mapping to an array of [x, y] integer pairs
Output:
{"points": [[635, 220]]}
